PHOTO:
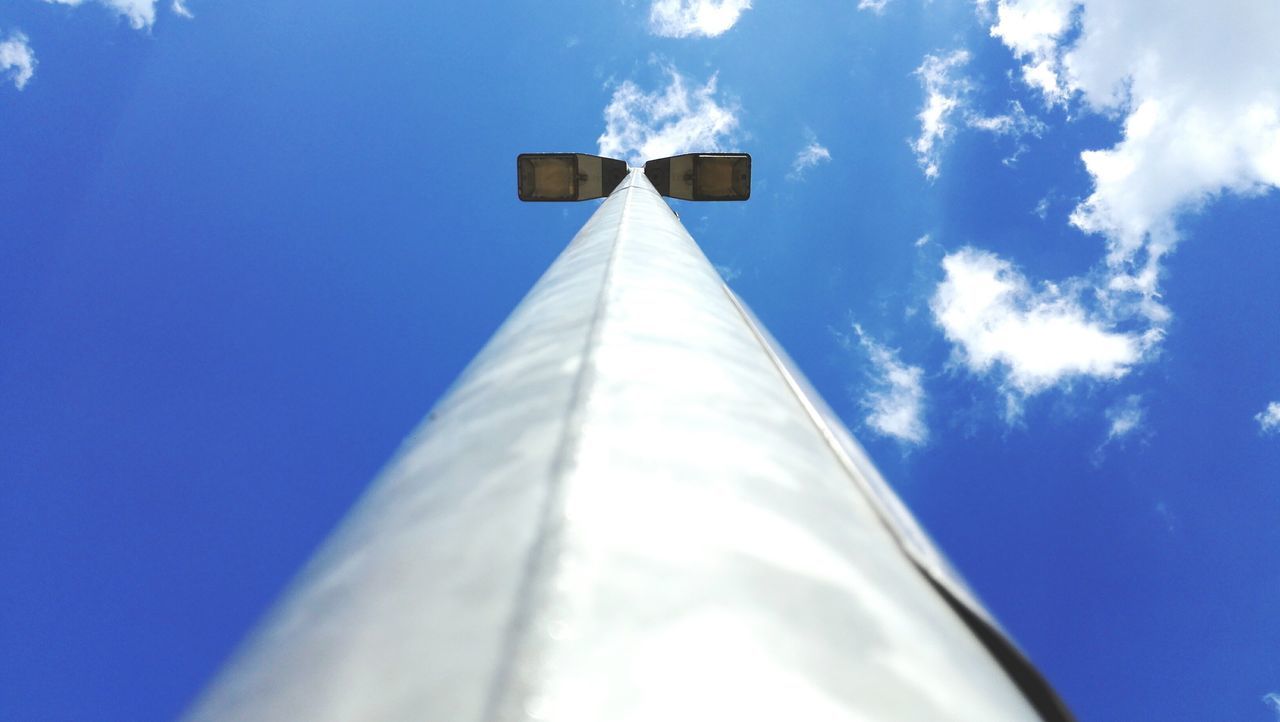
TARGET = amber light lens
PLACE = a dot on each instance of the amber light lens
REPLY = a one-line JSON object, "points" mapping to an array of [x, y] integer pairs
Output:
{"points": [[567, 176], [702, 176], [547, 176], [722, 177]]}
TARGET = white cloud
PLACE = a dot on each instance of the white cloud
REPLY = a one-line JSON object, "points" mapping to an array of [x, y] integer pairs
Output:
{"points": [[683, 18], [811, 155], [875, 6], [1198, 88], [17, 61], [1042, 208], [895, 403], [1269, 419], [140, 13], [673, 120], [1032, 29], [946, 105], [943, 97], [1198, 93], [1016, 122], [1036, 338], [1125, 417], [1272, 701]]}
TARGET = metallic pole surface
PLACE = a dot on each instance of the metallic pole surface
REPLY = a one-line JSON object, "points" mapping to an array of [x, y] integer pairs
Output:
{"points": [[629, 507]]}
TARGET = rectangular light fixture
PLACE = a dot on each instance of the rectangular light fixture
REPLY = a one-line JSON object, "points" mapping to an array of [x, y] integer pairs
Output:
{"points": [[567, 176], [702, 176]]}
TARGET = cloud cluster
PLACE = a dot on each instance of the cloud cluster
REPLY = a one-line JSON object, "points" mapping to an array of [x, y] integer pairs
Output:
{"points": [[17, 62], [895, 403], [1269, 420], [1033, 337], [809, 156], [1199, 93], [668, 121], [685, 18]]}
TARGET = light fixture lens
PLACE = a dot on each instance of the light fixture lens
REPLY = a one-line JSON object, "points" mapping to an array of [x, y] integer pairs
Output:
{"points": [[547, 176], [567, 176], [702, 176], [722, 177]]}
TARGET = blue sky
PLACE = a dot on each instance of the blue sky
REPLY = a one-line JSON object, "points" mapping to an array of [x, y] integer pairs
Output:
{"points": [[1026, 249]]}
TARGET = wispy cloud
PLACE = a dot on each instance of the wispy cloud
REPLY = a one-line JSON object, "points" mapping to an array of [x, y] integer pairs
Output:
{"points": [[943, 90], [1034, 338], [685, 18], [17, 61], [1269, 418], [675, 119], [875, 6], [1015, 122], [809, 156], [1042, 208], [1272, 701], [947, 107], [728, 273], [140, 13], [1126, 417], [896, 400]]}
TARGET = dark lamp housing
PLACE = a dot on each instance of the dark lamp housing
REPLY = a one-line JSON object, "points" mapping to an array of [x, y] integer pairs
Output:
{"points": [[702, 176], [567, 176]]}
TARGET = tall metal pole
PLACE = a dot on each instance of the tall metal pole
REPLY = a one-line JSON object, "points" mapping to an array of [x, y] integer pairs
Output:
{"points": [[629, 507]]}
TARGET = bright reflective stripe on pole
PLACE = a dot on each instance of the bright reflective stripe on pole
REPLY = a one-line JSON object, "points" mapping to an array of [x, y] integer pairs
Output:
{"points": [[622, 511]]}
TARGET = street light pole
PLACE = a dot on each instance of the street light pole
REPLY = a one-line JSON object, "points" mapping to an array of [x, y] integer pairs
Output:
{"points": [[629, 507]]}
